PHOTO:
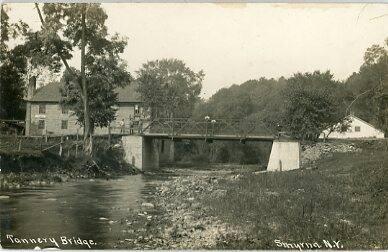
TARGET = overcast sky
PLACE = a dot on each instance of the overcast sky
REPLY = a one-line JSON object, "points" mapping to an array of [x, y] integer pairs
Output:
{"points": [[236, 42]]}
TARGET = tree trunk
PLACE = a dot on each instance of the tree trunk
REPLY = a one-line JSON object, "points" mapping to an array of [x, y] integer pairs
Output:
{"points": [[30, 93], [87, 133]]}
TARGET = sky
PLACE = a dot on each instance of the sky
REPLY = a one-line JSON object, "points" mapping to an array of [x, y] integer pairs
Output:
{"points": [[235, 42]]}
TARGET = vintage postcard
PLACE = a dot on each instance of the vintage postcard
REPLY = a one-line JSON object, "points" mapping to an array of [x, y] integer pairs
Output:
{"points": [[239, 126]]}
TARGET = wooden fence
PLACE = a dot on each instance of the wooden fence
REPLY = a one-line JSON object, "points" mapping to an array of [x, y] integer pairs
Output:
{"points": [[60, 145]]}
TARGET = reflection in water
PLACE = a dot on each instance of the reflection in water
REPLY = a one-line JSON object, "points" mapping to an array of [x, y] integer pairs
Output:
{"points": [[89, 210]]}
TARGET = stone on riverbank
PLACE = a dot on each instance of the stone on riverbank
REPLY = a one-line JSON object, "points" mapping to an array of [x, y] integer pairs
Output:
{"points": [[148, 205]]}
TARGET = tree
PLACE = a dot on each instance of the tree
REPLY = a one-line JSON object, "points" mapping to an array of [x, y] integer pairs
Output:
{"points": [[12, 69], [169, 88], [102, 97], [312, 104], [82, 26], [368, 88], [11, 92]]}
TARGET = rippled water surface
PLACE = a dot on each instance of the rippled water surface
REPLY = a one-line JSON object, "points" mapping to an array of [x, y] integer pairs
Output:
{"points": [[87, 209]]}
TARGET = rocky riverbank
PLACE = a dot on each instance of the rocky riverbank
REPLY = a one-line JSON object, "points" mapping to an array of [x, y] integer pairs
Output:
{"points": [[313, 152], [239, 207], [176, 216]]}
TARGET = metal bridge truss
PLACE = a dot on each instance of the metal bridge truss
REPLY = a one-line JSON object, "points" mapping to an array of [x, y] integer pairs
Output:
{"points": [[206, 129]]}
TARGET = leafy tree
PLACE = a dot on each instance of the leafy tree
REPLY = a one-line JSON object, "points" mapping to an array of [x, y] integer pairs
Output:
{"points": [[312, 104], [254, 100], [11, 92], [68, 27], [368, 88], [169, 88], [5, 27], [102, 98], [12, 69], [39, 57]]}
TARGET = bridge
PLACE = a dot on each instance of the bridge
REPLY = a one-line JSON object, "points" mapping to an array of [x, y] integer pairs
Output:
{"points": [[142, 141], [214, 129]]}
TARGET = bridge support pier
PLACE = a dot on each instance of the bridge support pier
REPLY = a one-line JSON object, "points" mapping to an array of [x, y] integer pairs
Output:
{"points": [[285, 155], [142, 152]]}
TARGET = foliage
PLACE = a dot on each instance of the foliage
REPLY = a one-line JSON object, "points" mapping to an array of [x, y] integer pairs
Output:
{"points": [[104, 69], [311, 105], [102, 101], [11, 92], [368, 88], [38, 55], [255, 99], [12, 69], [169, 87]]}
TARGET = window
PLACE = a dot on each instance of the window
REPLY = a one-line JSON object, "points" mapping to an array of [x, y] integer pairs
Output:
{"points": [[41, 124], [64, 124], [137, 110], [357, 128], [65, 110], [42, 108]]}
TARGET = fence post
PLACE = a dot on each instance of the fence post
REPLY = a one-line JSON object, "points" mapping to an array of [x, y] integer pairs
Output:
{"points": [[45, 135], [76, 144], [20, 145], [61, 147], [109, 136], [386, 144], [172, 128], [41, 143], [68, 151]]}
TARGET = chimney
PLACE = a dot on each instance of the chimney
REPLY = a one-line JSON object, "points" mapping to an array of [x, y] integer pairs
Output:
{"points": [[31, 87]]}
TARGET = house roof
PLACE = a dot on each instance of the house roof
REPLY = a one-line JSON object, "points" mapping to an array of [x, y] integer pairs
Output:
{"points": [[51, 93]]}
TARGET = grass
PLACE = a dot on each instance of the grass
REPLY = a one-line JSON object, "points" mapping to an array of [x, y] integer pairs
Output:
{"points": [[345, 198]]}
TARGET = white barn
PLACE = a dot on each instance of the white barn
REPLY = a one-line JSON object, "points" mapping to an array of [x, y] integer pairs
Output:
{"points": [[358, 129]]}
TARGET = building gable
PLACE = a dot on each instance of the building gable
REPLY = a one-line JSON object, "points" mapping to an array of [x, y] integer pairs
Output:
{"points": [[358, 121], [358, 129]]}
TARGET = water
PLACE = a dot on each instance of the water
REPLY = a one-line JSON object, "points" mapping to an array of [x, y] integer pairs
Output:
{"points": [[87, 209]]}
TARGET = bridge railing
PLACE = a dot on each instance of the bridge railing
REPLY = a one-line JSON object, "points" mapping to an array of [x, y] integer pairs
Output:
{"points": [[186, 126]]}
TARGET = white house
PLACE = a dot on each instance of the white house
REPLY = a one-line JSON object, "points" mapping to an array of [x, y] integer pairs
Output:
{"points": [[358, 129]]}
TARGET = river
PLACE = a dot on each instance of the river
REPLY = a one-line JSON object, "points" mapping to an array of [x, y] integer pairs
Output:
{"points": [[85, 209]]}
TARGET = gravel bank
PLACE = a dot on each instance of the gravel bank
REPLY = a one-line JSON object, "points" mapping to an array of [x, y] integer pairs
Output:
{"points": [[174, 217]]}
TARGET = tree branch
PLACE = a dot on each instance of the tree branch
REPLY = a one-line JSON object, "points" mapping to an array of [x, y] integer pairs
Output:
{"points": [[355, 99], [68, 68]]}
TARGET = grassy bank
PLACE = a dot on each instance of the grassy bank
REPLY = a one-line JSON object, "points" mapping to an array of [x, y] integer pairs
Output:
{"points": [[340, 195], [32, 167], [345, 198]]}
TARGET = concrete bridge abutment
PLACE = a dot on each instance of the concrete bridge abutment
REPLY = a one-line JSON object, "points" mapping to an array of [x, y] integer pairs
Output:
{"points": [[285, 155], [142, 152]]}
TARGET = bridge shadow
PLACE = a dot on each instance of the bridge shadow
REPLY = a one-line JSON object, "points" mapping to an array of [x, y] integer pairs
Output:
{"points": [[201, 154]]}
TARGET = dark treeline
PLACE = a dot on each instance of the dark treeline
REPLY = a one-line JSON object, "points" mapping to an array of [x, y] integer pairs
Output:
{"points": [[302, 106], [307, 103]]}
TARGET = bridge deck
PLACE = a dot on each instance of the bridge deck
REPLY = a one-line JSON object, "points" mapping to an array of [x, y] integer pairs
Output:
{"points": [[214, 137]]}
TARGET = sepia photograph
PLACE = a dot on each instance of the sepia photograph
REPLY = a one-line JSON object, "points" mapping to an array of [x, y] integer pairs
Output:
{"points": [[194, 126]]}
